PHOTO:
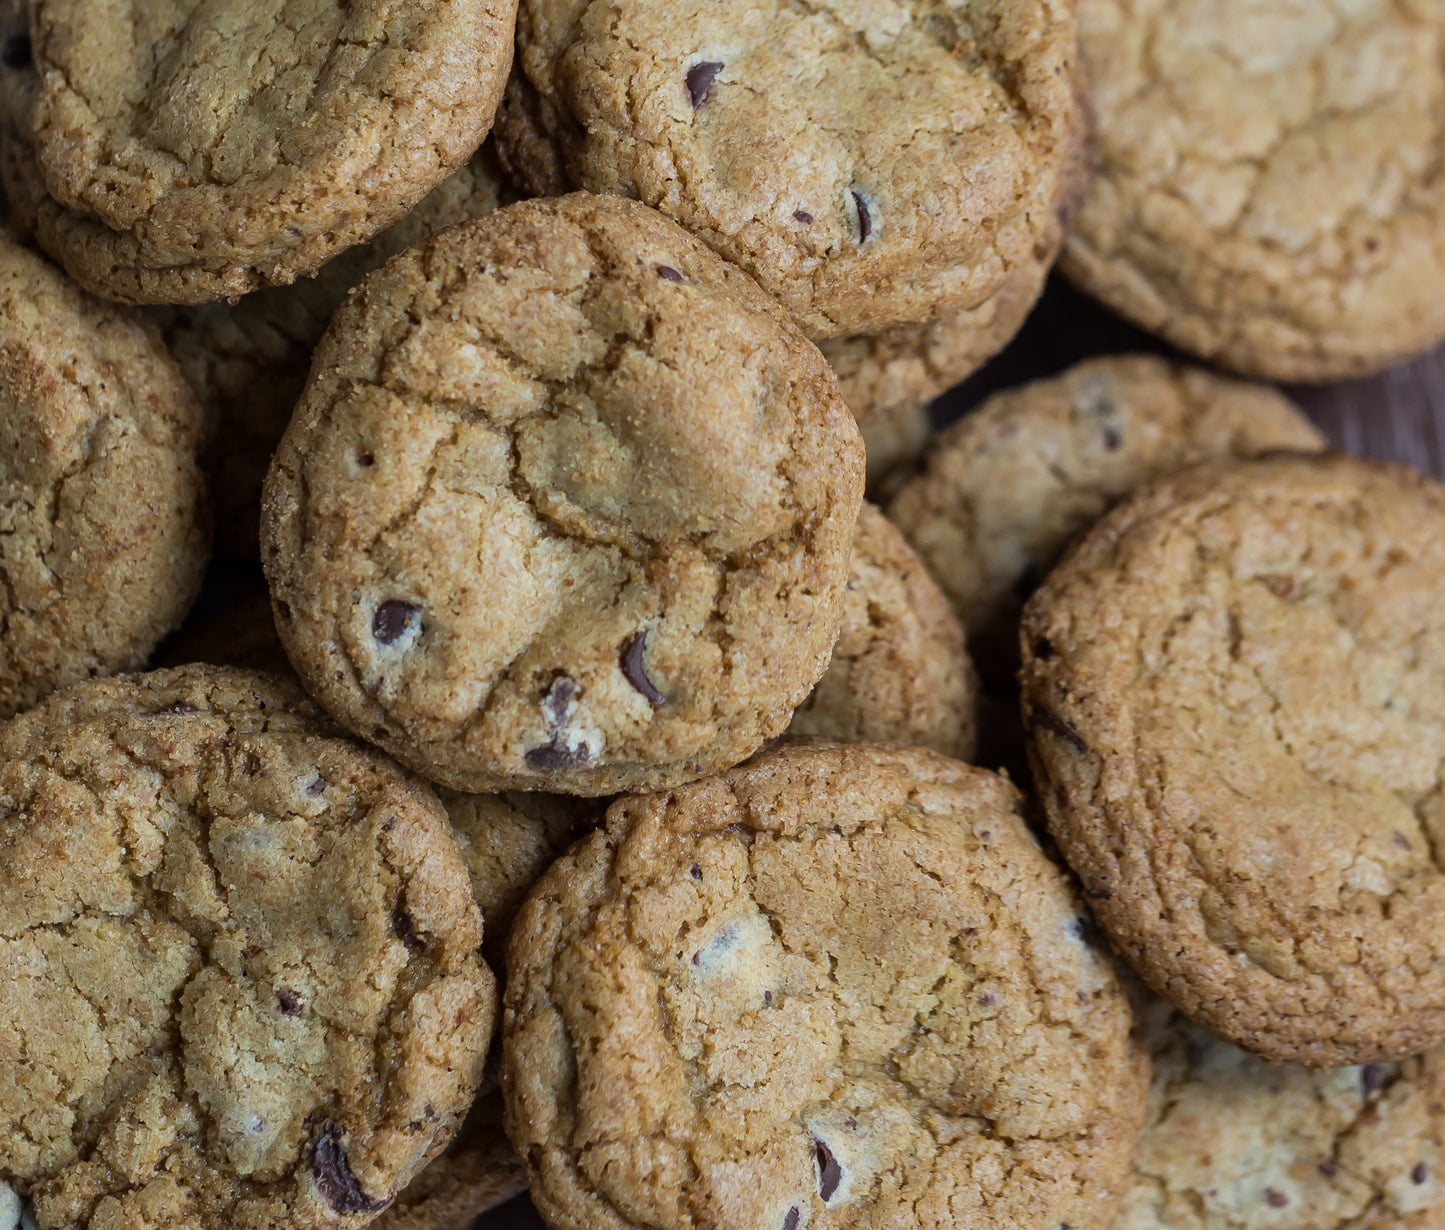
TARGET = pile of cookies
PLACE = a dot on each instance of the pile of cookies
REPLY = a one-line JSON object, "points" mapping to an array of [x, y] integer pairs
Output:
{"points": [[466, 732]]}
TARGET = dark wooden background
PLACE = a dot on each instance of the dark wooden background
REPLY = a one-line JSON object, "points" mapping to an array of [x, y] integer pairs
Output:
{"points": [[1399, 415]]}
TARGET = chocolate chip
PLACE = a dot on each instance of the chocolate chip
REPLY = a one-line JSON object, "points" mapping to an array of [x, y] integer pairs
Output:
{"points": [[1419, 1173], [1046, 719], [696, 872], [250, 952], [557, 704], [402, 928], [1275, 1199], [1402, 841], [365, 460], [830, 1174], [551, 757], [636, 672], [987, 1000], [333, 1175], [699, 81], [865, 219], [393, 620], [1372, 1077], [790, 1222], [16, 52], [288, 1002], [803, 216], [1329, 1169], [669, 273], [1112, 439], [316, 787], [767, 998]]}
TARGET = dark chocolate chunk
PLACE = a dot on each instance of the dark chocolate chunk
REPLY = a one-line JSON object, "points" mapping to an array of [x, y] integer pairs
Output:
{"points": [[333, 1175], [696, 872], [250, 952], [669, 273], [402, 928], [830, 1174], [699, 81], [1112, 439], [1372, 1077], [803, 216], [288, 1002], [1419, 1173], [365, 460], [865, 219], [16, 52], [1048, 720], [790, 1222], [1329, 1168], [557, 704], [1275, 1199], [636, 672], [393, 620], [556, 755], [767, 998]]}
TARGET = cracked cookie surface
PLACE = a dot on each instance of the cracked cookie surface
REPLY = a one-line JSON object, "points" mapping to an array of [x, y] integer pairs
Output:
{"points": [[900, 671], [834, 987], [245, 988], [1009, 484], [568, 506], [1271, 183], [248, 361], [186, 151], [871, 165], [1232, 1143], [103, 526], [1234, 689]]}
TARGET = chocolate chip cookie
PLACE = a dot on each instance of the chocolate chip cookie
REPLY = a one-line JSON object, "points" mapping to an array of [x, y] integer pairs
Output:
{"points": [[243, 985], [1271, 188], [104, 532], [900, 670], [1008, 485], [870, 166], [249, 360], [566, 506], [796, 995], [1235, 1144], [1234, 689], [187, 152]]}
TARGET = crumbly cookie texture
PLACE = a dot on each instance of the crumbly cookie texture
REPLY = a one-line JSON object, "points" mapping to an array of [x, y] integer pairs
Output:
{"points": [[1008, 485], [1234, 689], [567, 506], [796, 995], [186, 151], [900, 670], [1270, 192], [244, 985], [104, 532], [870, 165], [248, 361], [1235, 1144]]}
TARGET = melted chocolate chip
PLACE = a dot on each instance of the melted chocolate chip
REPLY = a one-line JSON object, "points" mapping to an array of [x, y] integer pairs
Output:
{"points": [[636, 672], [790, 1222], [1419, 1173], [16, 52], [865, 219], [699, 81], [334, 1178], [1046, 719], [402, 928], [1329, 1169], [1275, 1199], [551, 757], [1372, 1077], [316, 787], [803, 216], [668, 273], [830, 1174], [696, 872], [1112, 439], [288, 1002], [393, 620], [557, 704]]}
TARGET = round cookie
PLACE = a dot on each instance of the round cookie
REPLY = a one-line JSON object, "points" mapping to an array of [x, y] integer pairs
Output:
{"points": [[574, 405], [1008, 485], [796, 996], [187, 152], [869, 166], [244, 985], [105, 529], [900, 671], [248, 361], [1234, 689], [1232, 1143], [1270, 190]]}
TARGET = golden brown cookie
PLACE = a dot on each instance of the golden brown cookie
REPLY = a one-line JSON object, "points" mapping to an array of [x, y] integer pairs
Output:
{"points": [[567, 507], [1270, 191], [104, 532], [797, 996], [870, 166], [1235, 1144], [182, 152], [243, 986], [1234, 689], [1009, 484], [900, 671], [249, 360]]}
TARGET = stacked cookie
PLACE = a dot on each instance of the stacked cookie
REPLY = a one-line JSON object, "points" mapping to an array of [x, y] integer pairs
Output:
{"points": [[574, 799]]}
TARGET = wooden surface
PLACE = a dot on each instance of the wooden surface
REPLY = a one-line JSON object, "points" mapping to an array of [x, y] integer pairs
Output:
{"points": [[1399, 415]]}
